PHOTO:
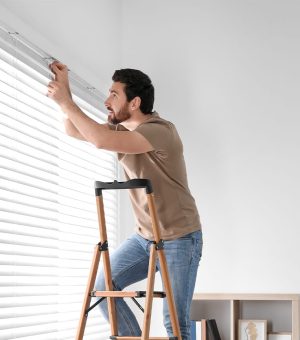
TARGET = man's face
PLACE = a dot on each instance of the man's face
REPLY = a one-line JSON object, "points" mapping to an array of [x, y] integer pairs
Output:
{"points": [[117, 104]]}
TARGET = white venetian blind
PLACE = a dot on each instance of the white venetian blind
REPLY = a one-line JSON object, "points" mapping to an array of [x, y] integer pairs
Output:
{"points": [[48, 219]]}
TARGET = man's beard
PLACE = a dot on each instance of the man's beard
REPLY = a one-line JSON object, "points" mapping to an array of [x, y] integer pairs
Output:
{"points": [[122, 116]]}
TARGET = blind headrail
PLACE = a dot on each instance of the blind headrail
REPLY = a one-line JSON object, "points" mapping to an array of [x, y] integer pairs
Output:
{"points": [[44, 59]]}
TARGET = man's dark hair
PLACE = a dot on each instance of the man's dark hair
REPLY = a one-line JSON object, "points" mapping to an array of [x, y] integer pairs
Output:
{"points": [[137, 84]]}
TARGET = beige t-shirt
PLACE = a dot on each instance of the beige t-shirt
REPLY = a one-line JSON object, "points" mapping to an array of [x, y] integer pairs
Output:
{"points": [[165, 167]]}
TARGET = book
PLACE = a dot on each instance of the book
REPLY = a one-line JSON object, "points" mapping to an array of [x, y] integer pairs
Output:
{"points": [[212, 330], [203, 329], [193, 330], [198, 330]]}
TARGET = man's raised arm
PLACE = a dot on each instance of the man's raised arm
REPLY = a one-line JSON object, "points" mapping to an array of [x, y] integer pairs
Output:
{"points": [[87, 129]]}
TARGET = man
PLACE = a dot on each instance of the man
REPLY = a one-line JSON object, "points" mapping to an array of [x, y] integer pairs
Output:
{"points": [[148, 147]]}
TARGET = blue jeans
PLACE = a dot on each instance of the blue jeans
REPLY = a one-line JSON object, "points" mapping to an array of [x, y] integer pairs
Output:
{"points": [[129, 264]]}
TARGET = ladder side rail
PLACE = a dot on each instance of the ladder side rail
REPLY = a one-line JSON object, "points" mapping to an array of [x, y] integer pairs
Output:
{"points": [[106, 266], [164, 269]]}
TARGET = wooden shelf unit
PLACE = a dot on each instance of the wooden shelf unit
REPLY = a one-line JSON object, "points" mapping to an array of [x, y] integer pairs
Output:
{"points": [[235, 301]]}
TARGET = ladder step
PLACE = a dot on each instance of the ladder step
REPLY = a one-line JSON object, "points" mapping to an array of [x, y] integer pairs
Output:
{"points": [[116, 337], [116, 293]]}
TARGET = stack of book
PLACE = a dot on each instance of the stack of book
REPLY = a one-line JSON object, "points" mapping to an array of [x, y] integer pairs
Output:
{"points": [[205, 330]]}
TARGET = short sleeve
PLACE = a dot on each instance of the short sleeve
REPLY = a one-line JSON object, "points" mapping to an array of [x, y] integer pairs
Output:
{"points": [[158, 135]]}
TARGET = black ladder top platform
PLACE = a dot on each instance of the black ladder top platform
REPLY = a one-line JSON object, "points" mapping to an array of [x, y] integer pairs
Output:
{"points": [[131, 184]]}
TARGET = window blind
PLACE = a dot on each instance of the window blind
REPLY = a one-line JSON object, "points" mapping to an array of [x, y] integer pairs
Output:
{"points": [[48, 218]]}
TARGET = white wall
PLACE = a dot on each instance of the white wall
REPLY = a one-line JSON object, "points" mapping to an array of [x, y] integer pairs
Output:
{"points": [[227, 73]]}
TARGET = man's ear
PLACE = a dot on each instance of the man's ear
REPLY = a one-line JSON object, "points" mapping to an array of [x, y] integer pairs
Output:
{"points": [[135, 103]]}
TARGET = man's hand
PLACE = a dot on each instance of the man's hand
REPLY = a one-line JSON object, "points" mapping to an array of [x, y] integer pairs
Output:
{"points": [[59, 88]]}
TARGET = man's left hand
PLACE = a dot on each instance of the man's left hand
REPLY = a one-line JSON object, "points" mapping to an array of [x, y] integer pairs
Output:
{"points": [[59, 89]]}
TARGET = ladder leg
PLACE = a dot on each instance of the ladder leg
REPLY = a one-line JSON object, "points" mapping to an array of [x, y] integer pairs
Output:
{"points": [[106, 267], [110, 300], [164, 269], [87, 296], [169, 293], [149, 293]]}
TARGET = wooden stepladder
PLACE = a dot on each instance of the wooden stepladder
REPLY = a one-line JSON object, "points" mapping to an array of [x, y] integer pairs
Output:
{"points": [[101, 249]]}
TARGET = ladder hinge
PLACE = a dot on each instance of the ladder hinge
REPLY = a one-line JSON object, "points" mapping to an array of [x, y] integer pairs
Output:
{"points": [[160, 245], [103, 246]]}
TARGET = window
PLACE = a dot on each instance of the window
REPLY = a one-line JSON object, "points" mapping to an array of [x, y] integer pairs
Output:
{"points": [[48, 218]]}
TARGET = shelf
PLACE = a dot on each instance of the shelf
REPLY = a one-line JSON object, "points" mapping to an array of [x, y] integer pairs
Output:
{"points": [[245, 296], [213, 304]]}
